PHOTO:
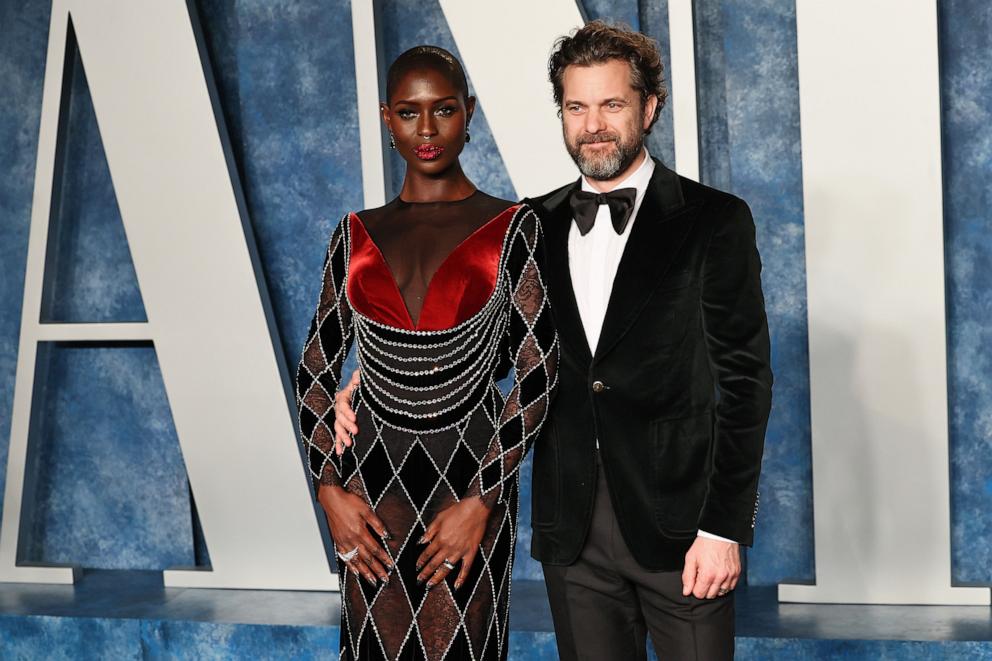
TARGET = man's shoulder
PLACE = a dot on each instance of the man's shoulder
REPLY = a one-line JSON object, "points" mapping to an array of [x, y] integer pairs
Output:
{"points": [[546, 203], [697, 194]]}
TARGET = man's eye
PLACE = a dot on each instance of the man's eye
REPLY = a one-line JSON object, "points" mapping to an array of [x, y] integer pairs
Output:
{"points": [[613, 105], [575, 109]]}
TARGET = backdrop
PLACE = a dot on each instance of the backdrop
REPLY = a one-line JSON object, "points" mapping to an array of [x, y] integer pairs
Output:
{"points": [[111, 488]]}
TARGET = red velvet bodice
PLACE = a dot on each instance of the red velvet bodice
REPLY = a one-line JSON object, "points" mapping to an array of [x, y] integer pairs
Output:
{"points": [[459, 288]]}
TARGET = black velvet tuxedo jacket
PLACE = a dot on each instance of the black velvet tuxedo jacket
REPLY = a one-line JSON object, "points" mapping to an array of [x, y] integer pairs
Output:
{"points": [[678, 391]]}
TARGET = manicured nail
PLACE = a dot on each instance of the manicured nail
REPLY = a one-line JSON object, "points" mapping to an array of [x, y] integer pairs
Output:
{"points": [[420, 581], [422, 540], [429, 585], [458, 584]]}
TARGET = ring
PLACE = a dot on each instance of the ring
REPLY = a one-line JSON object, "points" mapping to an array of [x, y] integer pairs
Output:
{"points": [[722, 591], [349, 556], [450, 565]]}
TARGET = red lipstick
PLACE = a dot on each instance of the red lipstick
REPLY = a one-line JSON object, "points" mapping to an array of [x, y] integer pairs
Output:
{"points": [[428, 152]]}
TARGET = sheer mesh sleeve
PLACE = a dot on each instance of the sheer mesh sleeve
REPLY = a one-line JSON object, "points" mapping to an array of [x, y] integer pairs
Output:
{"points": [[319, 371], [534, 351]]}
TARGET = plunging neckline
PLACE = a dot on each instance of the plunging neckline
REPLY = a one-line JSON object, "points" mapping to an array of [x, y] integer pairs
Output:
{"points": [[415, 325]]}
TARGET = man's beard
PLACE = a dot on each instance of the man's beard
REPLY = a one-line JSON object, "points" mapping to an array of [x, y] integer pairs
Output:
{"points": [[607, 163]]}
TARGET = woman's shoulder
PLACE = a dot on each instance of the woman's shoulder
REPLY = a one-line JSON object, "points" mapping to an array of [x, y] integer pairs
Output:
{"points": [[371, 215], [489, 206]]}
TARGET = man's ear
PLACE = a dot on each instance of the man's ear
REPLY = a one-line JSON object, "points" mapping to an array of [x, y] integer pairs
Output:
{"points": [[650, 105]]}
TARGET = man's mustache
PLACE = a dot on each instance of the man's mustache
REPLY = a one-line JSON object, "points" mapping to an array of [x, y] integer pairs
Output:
{"points": [[599, 137]]}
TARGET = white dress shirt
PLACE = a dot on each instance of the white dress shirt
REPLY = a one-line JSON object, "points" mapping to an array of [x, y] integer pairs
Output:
{"points": [[593, 260]]}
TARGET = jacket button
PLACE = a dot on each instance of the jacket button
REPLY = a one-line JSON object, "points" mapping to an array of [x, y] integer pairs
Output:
{"points": [[597, 386]]}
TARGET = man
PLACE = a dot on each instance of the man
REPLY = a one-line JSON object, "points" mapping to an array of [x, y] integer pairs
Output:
{"points": [[645, 474], [645, 477]]}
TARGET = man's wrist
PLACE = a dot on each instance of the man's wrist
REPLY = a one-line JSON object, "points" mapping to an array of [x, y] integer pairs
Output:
{"points": [[709, 535]]}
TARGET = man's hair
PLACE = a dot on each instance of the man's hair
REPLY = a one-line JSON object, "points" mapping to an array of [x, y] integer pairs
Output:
{"points": [[426, 57], [597, 43]]}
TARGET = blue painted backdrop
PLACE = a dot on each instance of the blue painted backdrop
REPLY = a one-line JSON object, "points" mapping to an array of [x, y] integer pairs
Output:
{"points": [[112, 490]]}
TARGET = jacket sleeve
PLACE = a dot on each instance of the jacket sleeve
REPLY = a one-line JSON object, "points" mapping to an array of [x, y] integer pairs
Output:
{"points": [[736, 333], [319, 372], [533, 344]]}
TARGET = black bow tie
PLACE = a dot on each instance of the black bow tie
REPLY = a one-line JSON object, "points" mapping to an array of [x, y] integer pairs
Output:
{"points": [[585, 205]]}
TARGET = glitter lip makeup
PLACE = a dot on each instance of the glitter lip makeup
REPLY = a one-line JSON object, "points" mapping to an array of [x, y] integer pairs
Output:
{"points": [[427, 152]]}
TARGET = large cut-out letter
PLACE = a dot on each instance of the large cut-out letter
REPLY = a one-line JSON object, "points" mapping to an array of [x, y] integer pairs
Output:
{"points": [[207, 315], [875, 274]]}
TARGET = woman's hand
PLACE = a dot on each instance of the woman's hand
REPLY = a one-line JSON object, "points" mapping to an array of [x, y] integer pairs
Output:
{"points": [[454, 535], [345, 420], [349, 518]]}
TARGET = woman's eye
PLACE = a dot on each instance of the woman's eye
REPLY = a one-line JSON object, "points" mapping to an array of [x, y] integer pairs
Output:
{"points": [[446, 111], [405, 114]]}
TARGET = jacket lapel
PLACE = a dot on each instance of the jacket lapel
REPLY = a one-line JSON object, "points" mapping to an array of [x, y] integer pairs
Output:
{"points": [[656, 236], [556, 218]]}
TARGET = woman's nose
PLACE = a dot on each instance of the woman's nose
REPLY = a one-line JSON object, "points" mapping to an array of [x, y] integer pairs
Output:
{"points": [[426, 127]]}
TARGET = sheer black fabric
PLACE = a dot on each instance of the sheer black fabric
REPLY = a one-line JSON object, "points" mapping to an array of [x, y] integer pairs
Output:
{"points": [[416, 237], [434, 427]]}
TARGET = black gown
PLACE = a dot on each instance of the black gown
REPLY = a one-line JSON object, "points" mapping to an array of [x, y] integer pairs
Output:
{"points": [[433, 426]]}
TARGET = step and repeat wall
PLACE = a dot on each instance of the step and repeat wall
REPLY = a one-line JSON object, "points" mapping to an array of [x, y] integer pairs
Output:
{"points": [[107, 482]]}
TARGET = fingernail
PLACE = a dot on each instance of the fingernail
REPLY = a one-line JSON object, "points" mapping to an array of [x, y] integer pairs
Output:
{"points": [[422, 539], [386, 536], [429, 585], [420, 581], [458, 584]]}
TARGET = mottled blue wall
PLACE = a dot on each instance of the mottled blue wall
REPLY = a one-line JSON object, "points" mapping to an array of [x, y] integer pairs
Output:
{"points": [[91, 278], [112, 489], [749, 124], [966, 99], [284, 73]]}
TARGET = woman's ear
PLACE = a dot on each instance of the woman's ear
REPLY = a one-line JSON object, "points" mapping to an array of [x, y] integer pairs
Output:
{"points": [[386, 116], [469, 110]]}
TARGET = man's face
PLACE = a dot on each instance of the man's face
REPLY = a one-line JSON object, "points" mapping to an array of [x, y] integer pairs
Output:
{"points": [[603, 118]]}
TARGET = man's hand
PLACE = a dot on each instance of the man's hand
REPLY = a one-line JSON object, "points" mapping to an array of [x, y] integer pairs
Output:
{"points": [[345, 421], [454, 535], [711, 569]]}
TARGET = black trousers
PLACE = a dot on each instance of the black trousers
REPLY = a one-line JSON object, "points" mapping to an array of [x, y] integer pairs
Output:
{"points": [[605, 604]]}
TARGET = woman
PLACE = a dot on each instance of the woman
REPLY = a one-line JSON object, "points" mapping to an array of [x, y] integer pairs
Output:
{"points": [[442, 292]]}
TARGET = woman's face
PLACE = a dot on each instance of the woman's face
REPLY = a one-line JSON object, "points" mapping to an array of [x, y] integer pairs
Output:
{"points": [[428, 117]]}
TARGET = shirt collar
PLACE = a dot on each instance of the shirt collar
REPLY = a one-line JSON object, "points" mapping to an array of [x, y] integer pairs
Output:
{"points": [[638, 179]]}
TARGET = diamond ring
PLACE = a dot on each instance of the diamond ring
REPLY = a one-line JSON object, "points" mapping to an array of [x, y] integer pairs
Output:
{"points": [[349, 556], [449, 564]]}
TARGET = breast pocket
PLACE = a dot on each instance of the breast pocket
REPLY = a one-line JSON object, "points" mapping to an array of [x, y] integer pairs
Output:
{"points": [[682, 453], [671, 314]]}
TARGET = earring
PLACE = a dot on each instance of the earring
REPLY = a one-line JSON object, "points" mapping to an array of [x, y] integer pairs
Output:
{"points": [[468, 138], [392, 140]]}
